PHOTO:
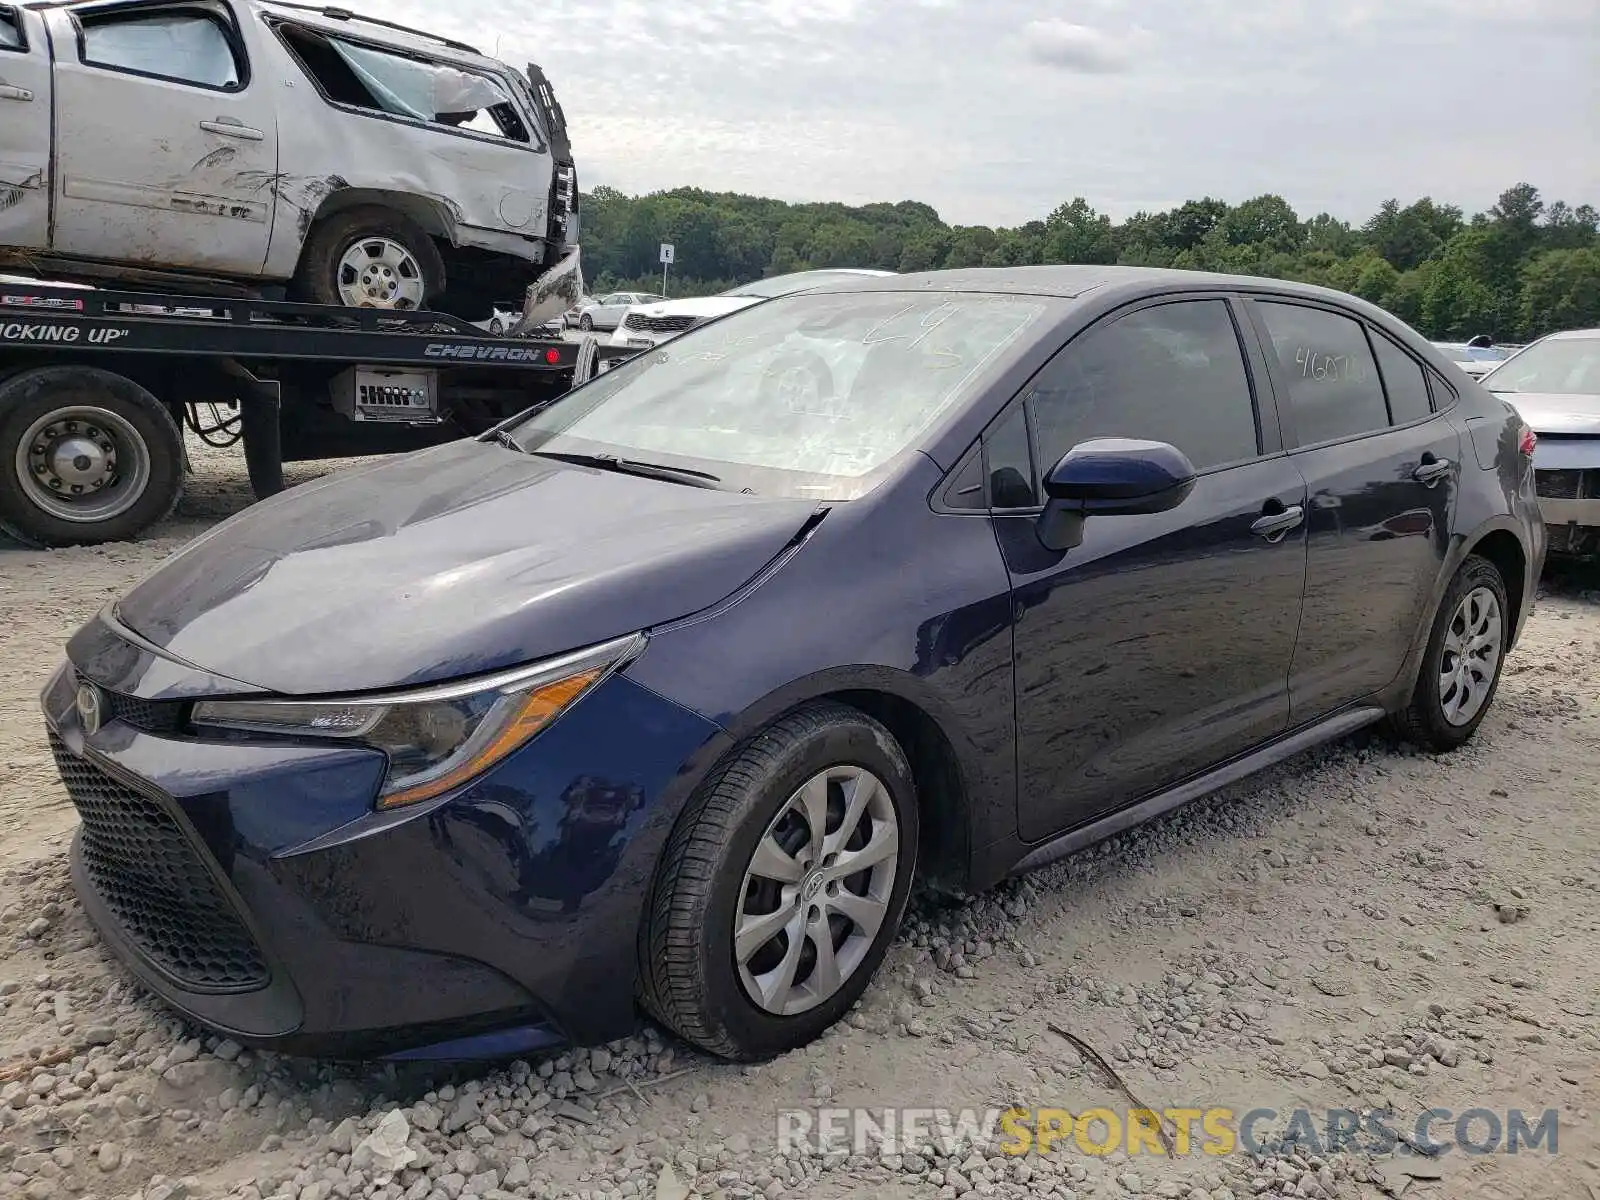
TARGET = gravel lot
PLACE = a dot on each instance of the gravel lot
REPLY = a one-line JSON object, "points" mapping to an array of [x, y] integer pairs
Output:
{"points": [[1365, 927]]}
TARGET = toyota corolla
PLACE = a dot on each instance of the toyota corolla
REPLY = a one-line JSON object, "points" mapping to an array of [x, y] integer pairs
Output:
{"points": [[663, 695]]}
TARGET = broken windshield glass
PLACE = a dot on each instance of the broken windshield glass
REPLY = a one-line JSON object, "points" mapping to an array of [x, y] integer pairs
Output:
{"points": [[406, 87]]}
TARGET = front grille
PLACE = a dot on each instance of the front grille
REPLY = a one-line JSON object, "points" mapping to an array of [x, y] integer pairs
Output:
{"points": [[1559, 485], [657, 324], [149, 874], [152, 716]]}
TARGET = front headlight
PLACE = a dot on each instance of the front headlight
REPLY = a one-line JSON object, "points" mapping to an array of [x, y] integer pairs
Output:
{"points": [[437, 738]]}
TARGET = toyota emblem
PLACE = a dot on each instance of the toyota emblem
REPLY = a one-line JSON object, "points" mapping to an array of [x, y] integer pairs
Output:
{"points": [[89, 708]]}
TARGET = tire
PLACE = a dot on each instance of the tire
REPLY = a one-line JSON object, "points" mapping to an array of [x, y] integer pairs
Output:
{"points": [[1433, 719], [691, 976], [497, 327], [586, 323], [415, 275], [129, 468]]}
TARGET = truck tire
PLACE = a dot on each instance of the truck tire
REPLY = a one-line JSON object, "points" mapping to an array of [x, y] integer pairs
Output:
{"points": [[370, 257], [86, 456]]}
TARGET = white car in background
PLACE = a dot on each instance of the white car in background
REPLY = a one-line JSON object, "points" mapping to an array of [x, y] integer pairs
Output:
{"points": [[607, 312], [1477, 357], [648, 325]]}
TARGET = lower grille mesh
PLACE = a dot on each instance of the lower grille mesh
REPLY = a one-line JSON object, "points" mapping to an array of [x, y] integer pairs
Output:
{"points": [[148, 873]]}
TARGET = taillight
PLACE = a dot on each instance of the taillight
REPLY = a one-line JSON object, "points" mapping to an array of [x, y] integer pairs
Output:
{"points": [[553, 356], [1527, 442]]}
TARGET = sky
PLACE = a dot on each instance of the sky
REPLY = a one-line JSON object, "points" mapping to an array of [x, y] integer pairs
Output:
{"points": [[996, 111]]}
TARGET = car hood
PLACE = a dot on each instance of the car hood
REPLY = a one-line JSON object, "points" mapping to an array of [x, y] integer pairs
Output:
{"points": [[463, 559], [696, 306], [1555, 412]]}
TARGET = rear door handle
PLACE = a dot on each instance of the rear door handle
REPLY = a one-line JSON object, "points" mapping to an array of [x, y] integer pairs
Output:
{"points": [[1273, 526], [8, 92], [233, 129], [1432, 470]]}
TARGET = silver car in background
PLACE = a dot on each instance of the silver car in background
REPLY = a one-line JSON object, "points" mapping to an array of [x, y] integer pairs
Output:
{"points": [[1555, 385]]}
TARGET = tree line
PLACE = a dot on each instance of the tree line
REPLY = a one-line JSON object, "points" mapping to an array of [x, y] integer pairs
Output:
{"points": [[1520, 270]]}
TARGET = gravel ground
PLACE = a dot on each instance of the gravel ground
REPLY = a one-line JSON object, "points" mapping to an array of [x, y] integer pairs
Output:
{"points": [[1366, 927]]}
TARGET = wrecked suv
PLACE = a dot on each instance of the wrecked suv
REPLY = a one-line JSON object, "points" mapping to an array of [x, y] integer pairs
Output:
{"points": [[236, 142]]}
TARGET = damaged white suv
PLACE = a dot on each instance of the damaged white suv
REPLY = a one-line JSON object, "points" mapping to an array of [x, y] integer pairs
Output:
{"points": [[239, 144]]}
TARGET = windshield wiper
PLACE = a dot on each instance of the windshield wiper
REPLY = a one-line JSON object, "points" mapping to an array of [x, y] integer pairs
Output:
{"points": [[633, 466], [504, 437]]}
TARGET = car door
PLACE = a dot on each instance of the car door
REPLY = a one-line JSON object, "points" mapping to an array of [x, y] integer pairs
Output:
{"points": [[1161, 645], [1382, 472], [167, 147], [24, 130]]}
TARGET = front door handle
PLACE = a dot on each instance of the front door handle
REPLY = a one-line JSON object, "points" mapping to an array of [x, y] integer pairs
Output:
{"points": [[8, 92], [1274, 526], [230, 128], [1432, 469]]}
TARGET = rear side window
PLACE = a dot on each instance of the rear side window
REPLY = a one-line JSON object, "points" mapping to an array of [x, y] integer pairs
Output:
{"points": [[10, 30], [187, 47], [1334, 390], [1405, 381], [1172, 373]]}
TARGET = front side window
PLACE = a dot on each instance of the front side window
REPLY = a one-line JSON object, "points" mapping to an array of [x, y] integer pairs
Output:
{"points": [[804, 396], [1334, 390], [1173, 373], [10, 30], [400, 85], [187, 46], [1560, 366]]}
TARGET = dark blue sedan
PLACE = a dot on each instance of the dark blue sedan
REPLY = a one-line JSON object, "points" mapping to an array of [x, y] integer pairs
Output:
{"points": [[664, 694]]}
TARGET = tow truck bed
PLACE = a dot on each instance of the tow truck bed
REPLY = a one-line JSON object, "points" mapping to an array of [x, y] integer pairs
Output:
{"points": [[94, 386]]}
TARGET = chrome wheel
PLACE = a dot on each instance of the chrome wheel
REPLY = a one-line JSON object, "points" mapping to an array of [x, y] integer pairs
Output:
{"points": [[817, 890], [1473, 643], [83, 464], [379, 272]]}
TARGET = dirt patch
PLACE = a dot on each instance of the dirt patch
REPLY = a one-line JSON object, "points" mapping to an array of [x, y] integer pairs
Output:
{"points": [[1366, 928]]}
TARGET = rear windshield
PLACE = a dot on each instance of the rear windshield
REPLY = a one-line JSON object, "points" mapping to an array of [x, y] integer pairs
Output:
{"points": [[1561, 366], [805, 396]]}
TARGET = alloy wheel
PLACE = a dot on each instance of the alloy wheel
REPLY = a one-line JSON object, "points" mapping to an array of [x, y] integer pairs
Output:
{"points": [[378, 272], [816, 891], [1473, 644]]}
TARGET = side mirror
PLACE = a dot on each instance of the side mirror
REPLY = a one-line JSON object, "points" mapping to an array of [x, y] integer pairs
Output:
{"points": [[1111, 477]]}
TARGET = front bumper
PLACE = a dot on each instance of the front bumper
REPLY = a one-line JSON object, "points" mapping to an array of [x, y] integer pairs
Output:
{"points": [[253, 888]]}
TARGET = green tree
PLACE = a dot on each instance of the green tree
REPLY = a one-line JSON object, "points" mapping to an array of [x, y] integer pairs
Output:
{"points": [[1560, 290]]}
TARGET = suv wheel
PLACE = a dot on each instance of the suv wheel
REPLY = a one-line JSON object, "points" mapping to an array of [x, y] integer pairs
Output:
{"points": [[371, 258], [782, 885], [1461, 668]]}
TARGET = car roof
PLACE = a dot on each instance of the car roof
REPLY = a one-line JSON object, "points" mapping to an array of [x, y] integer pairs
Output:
{"points": [[1571, 334], [1073, 281]]}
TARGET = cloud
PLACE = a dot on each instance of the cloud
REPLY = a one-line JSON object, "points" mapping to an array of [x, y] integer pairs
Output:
{"points": [[1059, 43], [996, 111]]}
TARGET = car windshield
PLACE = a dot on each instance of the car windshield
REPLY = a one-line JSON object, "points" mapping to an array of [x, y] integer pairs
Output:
{"points": [[785, 285], [1560, 366], [809, 396]]}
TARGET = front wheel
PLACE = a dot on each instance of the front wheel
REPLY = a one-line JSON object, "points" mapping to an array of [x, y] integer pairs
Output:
{"points": [[371, 258], [782, 885], [1461, 667], [586, 323]]}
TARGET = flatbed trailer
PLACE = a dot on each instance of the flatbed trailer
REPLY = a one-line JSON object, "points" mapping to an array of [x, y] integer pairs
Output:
{"points": [[95, 385]]}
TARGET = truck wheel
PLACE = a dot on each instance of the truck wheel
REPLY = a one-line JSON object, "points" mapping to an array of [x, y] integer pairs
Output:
{"points": [[85, 457], [370, 258]]}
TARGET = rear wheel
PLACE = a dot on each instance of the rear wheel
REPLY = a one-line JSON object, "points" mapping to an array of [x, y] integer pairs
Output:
{"points": [[586, 322], [86, 456], [782, 886], [371, 258], [1461, 667]]}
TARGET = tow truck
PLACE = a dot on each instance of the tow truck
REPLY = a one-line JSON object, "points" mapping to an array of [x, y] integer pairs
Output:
{"points": [[96, 387]]}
